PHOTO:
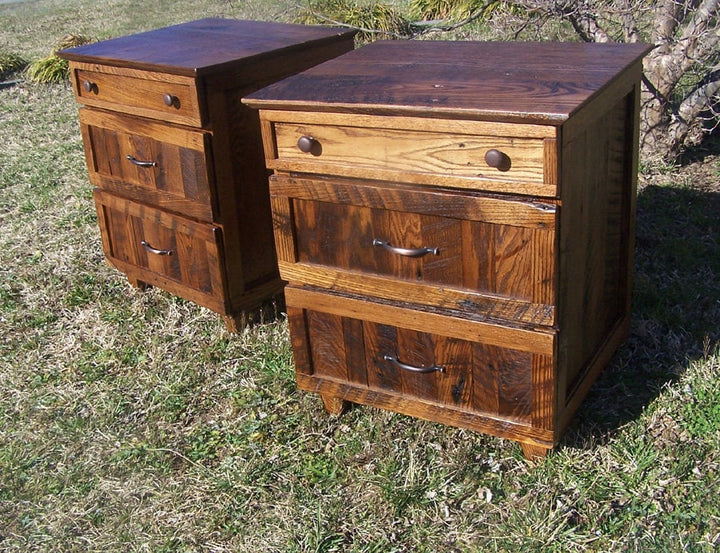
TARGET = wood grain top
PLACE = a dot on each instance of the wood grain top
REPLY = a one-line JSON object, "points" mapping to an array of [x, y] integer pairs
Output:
{"points": [[506, 81], [203, 46]]}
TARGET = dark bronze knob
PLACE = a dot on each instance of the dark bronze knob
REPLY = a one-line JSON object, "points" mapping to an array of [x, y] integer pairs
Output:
{"points": [[497, 159], [171, 100], [90, 86], [307, 144]]}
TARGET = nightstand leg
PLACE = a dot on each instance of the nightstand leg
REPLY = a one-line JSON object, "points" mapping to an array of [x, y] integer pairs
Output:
{"points": [[334, 405], [235, 323], [270, 310], [139, 284], [534, 452]]}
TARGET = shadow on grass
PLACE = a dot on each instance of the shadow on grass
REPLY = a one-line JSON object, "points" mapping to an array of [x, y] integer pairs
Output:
{"points": [[676, 308]]}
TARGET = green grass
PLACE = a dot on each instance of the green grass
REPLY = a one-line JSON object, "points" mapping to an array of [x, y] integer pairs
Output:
{"points": [[134, 422]]}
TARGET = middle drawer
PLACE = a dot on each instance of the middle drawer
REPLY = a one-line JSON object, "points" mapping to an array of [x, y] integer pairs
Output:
{"points": [[151, 162], [486, 256]]}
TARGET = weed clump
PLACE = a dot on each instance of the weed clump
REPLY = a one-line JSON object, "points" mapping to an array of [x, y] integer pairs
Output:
{"points": [[426, 10], [53, 69], [375, 20], [10, 63]]}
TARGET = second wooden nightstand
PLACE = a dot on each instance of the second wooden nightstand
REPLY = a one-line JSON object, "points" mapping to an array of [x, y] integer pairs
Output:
{"points": [[455, 221]]}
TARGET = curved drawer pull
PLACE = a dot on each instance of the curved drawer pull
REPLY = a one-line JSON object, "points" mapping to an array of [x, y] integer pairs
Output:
{"points": [[150, 249], [140, 163], [407, 252], [411, 368]]}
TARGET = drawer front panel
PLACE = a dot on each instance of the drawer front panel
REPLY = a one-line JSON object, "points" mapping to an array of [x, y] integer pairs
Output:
{"points": [[499, 382], [440, 153], [479, 245], [155, 95], [177, 254], [149, 162], [491, 258]]}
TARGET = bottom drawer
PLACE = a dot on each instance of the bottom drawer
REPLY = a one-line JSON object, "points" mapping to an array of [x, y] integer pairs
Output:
{"points": [[173, 253], [379, 354]]}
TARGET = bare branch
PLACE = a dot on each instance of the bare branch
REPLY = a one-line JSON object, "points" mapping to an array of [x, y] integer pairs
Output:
{"points": [[654, 92], [697, 28], [668, 16], [581, 16], [702, 98], [689, 123], [629, 22], [587, 27], [698, 24]]}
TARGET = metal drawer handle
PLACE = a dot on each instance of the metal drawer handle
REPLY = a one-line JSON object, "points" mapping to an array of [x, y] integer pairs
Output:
{"points": [[150, 249], [141, 163], [407, 252], [411, 368]]}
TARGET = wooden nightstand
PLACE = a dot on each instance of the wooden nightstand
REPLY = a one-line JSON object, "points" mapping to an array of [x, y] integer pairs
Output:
{"points": [[176, 159], [455, 221]]}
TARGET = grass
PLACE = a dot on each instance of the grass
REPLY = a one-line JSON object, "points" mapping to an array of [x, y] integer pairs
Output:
{"points": [[134, 422]]}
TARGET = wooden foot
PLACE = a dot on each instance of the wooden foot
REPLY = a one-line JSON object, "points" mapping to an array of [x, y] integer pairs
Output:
{"points": [[266, 312], [235, 323], [139, 284], [334, 405], [534, 452]]}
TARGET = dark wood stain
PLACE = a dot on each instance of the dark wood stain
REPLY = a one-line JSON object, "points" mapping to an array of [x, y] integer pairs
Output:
{"points": [[509, 81], [204, 46]]}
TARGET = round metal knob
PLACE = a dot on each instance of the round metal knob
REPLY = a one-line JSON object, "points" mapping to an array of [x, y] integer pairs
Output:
{"points": [[307, 144], [497, 159], [171, 100], [89, 86]]}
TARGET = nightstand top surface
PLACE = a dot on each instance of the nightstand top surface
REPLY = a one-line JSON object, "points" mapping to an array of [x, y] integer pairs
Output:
{"points": [[201, 47], [543, 82]]}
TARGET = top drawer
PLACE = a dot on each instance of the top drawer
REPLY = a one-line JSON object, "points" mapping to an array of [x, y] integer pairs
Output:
{"points": [[498, 157], [157, 95]]}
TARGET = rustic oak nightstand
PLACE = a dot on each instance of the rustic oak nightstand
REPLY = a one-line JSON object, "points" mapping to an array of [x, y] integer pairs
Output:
{"points": [[176, 159], [455, 221]]}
